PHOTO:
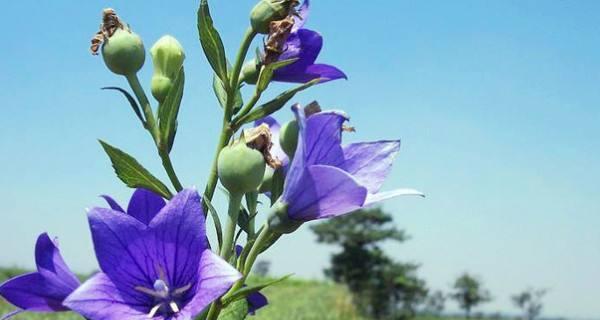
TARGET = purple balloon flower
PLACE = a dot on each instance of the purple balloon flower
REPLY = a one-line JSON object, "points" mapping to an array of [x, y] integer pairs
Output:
{"points": [[305, 45], [143, 205], [159, 270], [326, 179], [44, 290]]}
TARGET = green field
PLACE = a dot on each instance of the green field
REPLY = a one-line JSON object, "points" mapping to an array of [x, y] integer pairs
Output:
{"points": [[290, 300]]}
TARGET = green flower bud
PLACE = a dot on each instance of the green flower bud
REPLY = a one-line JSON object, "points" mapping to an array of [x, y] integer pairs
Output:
{"points": [[241, 165], [288, 137], [250, 72], [123, 52], [267, 181], [267, 11], [167, 58]]}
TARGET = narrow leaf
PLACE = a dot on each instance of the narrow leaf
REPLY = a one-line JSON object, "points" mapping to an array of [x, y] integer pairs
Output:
{"points": [[132, 173], [132, 102], [277, 185], [168, 111], [211, 42], [266, 73], [221, 94], [216, 220], [246, 291], [273, 105]]}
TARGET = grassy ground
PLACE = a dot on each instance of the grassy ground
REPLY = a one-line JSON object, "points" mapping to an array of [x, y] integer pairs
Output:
{"points": [[290, 300]]}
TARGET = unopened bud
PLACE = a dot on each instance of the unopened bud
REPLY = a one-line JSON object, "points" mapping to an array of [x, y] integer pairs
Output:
{"points": [[250, 71], [288, 137], [167, 58], [267, 11]]}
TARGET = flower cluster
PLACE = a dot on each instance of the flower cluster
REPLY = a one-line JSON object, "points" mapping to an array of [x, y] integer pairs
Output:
{"points": [[155, 260]]}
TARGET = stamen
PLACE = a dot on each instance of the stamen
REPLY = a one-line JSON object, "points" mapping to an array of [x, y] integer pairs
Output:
{"points": [[150, 292], [182, 290], [174, 306], [154, 311]]}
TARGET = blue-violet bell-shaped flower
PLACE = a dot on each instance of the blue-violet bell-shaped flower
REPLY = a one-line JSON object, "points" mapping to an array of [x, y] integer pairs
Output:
{"points": [[43, 290], [160, 270], [326, 179]]}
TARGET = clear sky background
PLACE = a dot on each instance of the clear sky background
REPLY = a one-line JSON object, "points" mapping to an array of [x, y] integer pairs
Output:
{"points": [[497, 104]]}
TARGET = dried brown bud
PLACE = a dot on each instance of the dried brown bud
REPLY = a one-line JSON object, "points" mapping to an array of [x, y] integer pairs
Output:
{"points": [[108, 27], [260, 138], [279, 32]]}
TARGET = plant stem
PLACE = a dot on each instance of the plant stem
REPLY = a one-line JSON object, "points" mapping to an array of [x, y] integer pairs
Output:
{"points": [[226, 131], [251, 202], [235, 200], [151, 126], [168, 165], [247, 108]]}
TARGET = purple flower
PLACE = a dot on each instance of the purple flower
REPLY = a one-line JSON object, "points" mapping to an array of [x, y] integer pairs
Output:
{"points": [[159, 270], [44, 290], [143, 205], [305, 45], [326, 179]]}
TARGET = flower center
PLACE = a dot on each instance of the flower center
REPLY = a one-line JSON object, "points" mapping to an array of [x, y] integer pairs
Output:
{"points": [[165, 300]]}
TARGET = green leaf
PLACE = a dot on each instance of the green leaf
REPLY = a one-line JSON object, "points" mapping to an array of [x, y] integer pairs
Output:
{"points": [[132, 173], [216, 220], [211, 42], [221, 94], [132, 102], [273, 105], [277, 185], [246, 291], [235, 311], [266, 73], [168, 111]]}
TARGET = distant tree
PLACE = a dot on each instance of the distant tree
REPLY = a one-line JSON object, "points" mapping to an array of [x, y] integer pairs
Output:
{"points": [[530, 301], [468, 292], [435, 303], [381, 287], [262, 268]]}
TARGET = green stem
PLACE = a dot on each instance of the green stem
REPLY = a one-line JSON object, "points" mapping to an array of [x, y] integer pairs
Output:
{"points": [[226, 131], [151, 126], [247, 108], [251, 203], [168, 165], [239, 59], [235, 200]]}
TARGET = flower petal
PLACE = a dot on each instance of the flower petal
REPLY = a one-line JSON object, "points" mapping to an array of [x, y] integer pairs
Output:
{"points": [[144, 205], [381, 196], [324, 192], [122, 245], [31, 292], [99, 298], [52, 266], [305, 45], [370, 162], [325, 72], [215, 277], [323, 138], [256, 301], [112, 203], [180, 238], [303, 13]]}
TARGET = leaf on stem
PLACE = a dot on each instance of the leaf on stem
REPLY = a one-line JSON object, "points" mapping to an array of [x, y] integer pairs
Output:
{"points": [[235, 311], [216, 220], [168, 112], [221, 94], [266, 73], [211, 42], [131, 100], [246, 291], [273, 105], [132, 173]]}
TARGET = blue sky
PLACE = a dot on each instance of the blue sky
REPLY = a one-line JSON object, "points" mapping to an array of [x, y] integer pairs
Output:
{"points": [[496, 102]]}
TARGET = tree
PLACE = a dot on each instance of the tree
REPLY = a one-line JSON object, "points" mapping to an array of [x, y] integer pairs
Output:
{"points": [[435, 303], [530, 301], [381, 287], [469, 292]]}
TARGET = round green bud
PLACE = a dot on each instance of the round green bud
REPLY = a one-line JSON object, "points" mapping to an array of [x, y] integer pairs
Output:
{"points": [[167, 58], [123, 52], [241, 169], [267, 11], [250, 72], [288, 137]]}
